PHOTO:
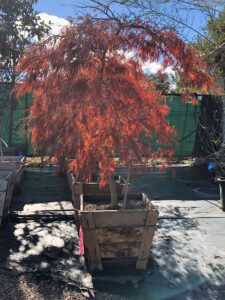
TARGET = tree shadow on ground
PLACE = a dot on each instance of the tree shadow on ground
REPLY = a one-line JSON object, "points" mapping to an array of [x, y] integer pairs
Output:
{"points": [[40, 252], [174, 270]]}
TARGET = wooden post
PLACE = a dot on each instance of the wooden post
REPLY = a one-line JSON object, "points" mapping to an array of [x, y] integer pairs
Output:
{"points": [[147, 238], [91, 242]]}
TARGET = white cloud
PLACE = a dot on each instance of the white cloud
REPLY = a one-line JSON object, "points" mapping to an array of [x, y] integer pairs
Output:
{"points": [[57, 23], [170, 71], [151, 67], [154, 67], [129, 54]]}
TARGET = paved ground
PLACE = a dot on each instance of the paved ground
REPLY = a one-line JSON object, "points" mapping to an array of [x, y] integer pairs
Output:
{"points": [[47, 243], [188, 255]]}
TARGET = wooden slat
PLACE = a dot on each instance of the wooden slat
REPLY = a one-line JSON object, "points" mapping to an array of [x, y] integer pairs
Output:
{"points": [[91, 242], [106, 197], [118, 235], [147, 240], [120, 250], [124, 218], [76, 198], [13, 158], [3, 185], [93, 188], [8, 196], [8, 165], [77, 188], [2, 203]]}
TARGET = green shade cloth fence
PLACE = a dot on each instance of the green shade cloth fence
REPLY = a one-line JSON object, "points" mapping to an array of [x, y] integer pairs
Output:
{"points": [[184, 117]]}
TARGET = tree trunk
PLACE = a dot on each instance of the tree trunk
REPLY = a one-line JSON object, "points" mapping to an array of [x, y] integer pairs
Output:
{"points": [[113, 192]]}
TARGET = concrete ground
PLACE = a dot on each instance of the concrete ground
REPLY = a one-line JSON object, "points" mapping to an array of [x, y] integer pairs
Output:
{"points": [[40, 236], [188, 255]]}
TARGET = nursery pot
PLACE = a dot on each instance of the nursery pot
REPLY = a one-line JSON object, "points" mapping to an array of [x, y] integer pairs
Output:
{"points": [[222, 192]]}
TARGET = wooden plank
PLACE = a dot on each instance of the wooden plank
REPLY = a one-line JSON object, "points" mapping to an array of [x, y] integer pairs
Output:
{"points": [[93, 188], [8, 165], [76, 198], [2, 203], [126, 218], [8, 196], [3, 185], [106, 197], [118, 235], [91, 242], [147, 240], [5, 175], [13, 158], [77, 188], [120, 250]]}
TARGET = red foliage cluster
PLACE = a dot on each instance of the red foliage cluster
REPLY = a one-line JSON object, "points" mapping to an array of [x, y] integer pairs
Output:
{"points": [[93, 103]]}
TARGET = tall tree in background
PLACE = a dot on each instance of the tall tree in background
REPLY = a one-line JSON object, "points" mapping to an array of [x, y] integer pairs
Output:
{"points": [[20, 24], [92, 102], [180, 15], [161, 81], [215, 32]]}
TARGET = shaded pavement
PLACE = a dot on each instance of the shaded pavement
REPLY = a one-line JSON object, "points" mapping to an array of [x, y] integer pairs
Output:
{"points": [[40, 236]]}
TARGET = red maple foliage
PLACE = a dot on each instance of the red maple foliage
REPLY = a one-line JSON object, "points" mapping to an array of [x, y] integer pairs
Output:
{"points": [[93, 102]]}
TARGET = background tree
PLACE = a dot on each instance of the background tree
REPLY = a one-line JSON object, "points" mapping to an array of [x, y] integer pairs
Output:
{"points": [[215, 32], [180, 15], [92, 102], [162, 82], [20, 24]]}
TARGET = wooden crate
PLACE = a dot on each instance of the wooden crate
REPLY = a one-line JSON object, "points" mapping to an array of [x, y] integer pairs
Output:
{"points": [[15, 165], [113, 237], [69, 173], [12, 158], [6, 189], [79, 189], [83, 188]]}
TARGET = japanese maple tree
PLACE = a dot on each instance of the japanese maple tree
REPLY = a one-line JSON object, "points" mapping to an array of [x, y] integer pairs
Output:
{"points": [[93, 102]]}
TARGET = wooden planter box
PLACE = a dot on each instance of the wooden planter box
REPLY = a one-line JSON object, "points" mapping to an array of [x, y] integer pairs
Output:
{"points": [[6, 189], [15, 165], [79, 189], [69, 174], [12, 158], [91, 188], [113, 237]]}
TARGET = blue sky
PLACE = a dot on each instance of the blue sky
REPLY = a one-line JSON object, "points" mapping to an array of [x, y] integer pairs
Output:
{"points": [[63, 9], [57, 10]]}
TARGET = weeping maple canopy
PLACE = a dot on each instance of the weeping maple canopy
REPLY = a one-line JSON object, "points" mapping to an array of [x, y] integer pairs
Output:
{"points": [[92, 101]]}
